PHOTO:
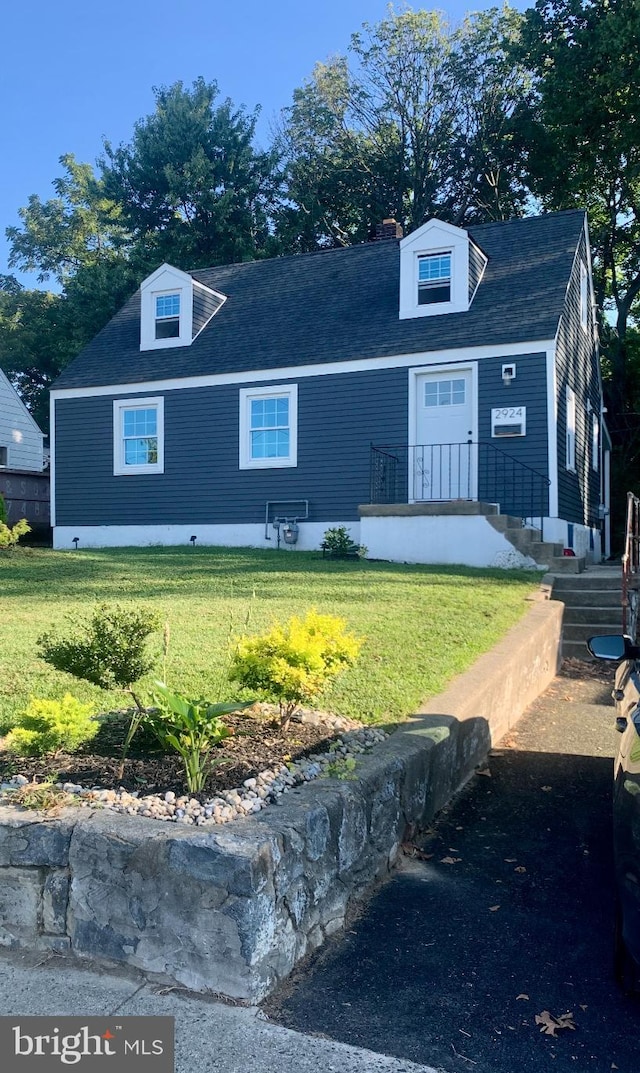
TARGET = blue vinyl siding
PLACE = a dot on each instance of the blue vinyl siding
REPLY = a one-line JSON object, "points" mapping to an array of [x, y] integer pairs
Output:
{"points": [[528, 389], [477, 262], [338, 418], [576, 367]]}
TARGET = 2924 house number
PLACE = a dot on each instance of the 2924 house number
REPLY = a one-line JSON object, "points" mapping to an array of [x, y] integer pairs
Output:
{"points": [[509, 421], [508, 413]]}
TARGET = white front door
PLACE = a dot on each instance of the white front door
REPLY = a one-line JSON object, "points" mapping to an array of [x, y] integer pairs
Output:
{"points": [[443, 465]]}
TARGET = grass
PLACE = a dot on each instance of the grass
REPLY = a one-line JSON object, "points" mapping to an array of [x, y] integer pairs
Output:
{"points": [[423, 625]]}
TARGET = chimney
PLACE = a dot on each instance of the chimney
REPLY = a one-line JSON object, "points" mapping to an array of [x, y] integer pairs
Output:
{"points": [[386, 230]]}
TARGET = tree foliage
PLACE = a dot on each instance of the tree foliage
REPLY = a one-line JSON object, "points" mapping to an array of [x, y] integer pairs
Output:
{"points": [[417, 125], [190, 184], [581, 138]]}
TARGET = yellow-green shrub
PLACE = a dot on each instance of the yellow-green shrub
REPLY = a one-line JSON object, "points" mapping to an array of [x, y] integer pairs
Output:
{"points": [[292, 664], [10, 535], [48, 726]]}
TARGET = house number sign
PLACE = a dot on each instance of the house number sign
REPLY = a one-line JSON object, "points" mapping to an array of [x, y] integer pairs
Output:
{"points": [[509, 421]]}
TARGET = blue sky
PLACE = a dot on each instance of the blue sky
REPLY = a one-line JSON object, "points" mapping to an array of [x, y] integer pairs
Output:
{"points": [[75, 72]]}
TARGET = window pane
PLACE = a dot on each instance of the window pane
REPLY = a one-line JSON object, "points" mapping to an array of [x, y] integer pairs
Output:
{"points": [[168, 305], [272, 444], [431, 394], [139, 422], [437, 267], [269, 413], [141, 452], [168, 328]]}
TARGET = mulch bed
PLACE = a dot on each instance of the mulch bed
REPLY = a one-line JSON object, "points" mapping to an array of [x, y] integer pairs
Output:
{"points": [[258, 743]]}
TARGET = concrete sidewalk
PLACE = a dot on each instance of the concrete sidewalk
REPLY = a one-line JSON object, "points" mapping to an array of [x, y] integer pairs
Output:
{"points": [[210, 1037]]}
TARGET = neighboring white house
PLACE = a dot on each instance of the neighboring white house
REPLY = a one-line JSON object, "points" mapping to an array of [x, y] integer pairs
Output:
{"points": [[20, 438]]}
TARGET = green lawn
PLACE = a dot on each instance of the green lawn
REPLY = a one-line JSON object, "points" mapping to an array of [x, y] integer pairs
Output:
{"points": [[422, 625]]}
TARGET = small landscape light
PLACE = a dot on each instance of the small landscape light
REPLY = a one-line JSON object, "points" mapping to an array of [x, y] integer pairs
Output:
{"points": [[193, 541], [76, 541]]}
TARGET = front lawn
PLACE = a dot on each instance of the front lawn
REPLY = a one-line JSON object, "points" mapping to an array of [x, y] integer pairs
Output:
{"points": [[422, 625]]}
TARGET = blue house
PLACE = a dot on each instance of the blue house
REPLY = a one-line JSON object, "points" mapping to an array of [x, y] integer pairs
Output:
{"points": [[438, 394]]}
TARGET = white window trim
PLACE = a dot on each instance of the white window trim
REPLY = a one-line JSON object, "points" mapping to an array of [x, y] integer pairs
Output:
{"points": [[570, 435], [119, 406], [434, 237], [584, 297], [247, 395], [166, 280], [595, 442]]}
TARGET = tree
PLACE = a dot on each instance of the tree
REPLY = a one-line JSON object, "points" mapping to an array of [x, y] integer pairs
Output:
{"points": [[583, 148], [420, 125], [190, 186]]}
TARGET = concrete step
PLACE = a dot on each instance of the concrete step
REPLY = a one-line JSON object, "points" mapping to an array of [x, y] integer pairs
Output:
{"points": [[573, 597], [591, 580], [576, 650], [592, 616], [508, 521], [571, 632], [567, 564]]}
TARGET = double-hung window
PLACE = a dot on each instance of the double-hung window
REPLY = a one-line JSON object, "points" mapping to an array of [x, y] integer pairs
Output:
{"points": [[434, 278], [167, 315], [571, 429], [584, 296], [138, 436], [268, 427]]}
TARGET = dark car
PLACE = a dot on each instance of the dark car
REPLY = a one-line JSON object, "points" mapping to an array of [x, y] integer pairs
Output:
{"points": [[626, 802]]}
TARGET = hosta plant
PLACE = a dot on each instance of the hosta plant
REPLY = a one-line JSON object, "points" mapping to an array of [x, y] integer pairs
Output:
{"points": [[193, 728]]}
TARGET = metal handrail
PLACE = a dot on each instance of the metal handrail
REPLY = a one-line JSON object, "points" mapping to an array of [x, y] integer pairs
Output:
{"points": [[631, 567], [445, 470]]}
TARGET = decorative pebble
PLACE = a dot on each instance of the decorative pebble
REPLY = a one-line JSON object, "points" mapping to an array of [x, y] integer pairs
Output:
{"points": [[267, 788]]}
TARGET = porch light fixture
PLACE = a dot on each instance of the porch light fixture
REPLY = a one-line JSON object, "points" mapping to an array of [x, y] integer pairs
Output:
{"points": [[75, 542], [508, 373], [193, 541]]}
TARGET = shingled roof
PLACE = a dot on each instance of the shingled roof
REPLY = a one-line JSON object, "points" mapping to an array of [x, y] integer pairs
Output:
{"points": [[341, 305]]}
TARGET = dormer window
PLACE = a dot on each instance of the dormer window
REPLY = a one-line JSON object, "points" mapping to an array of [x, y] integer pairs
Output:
{"points": [[167, 316], [434, 278], [440, 271], [175, 308]]}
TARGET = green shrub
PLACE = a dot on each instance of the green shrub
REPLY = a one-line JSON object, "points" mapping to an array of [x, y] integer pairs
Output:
{"points": [[108, 651], [3, 510], [193, 728], [9, 536], [48, 726], [292, 664], [338, 543]]}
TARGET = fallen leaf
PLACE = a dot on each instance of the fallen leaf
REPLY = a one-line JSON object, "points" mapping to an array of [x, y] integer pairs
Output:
{"points": [[511, 860], [520, 868], [519, 997], [450, 860], [484, 771], [546, 788], [550, 1024], [493, 908], [583, 1007], [411, 850]]}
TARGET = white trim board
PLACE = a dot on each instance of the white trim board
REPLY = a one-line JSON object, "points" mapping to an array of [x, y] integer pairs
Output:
{"points": [[294, 372]]}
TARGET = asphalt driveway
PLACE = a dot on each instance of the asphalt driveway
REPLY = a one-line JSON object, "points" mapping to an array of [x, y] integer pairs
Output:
{"points": [[503, 912]]}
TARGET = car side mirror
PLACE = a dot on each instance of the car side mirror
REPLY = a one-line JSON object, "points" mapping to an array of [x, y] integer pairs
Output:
{"points": [[613, 647]]}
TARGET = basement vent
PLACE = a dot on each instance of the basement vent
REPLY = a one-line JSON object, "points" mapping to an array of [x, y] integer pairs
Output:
{"points": [[509, 421]]}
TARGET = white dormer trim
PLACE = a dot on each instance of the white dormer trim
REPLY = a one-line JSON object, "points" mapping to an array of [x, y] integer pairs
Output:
{"points": [[166, 280], [434, 237]]}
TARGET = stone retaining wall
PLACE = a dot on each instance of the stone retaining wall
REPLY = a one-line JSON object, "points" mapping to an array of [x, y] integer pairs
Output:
{"points": [[230, 910]]}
